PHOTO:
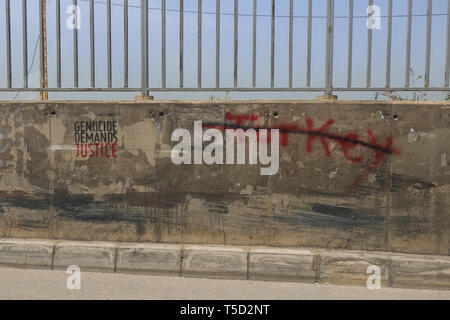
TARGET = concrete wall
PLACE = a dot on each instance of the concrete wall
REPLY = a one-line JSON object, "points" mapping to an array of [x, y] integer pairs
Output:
{"points": [[367, 192]]}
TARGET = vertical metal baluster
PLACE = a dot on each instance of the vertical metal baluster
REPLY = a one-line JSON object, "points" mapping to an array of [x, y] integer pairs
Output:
{"points": [[25, 44], [217, 43], [92, 38], [8, 43], [428, 46], [369, 49], [447, 54], [144, 47], [108, 32], [388, 46], [254, 44], [41, 44], [181, 42], [236, 43], [408, 45], [75, 45], [329, 47], [291, 12], [350, 44], [125, 43], [272, 46], [308, 58], [58, 43], [199, 43], [163, 43]]}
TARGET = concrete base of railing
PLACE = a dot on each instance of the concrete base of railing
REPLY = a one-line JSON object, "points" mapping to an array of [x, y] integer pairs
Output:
{"points": [[327, 97], [254, 263], [141, 98]]}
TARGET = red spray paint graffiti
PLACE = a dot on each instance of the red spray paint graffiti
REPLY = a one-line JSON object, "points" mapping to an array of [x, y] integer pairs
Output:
{"points": [[347, 142]]}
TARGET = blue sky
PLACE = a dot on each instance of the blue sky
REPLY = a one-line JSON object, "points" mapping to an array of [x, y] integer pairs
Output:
{"points": [[245, 46]]}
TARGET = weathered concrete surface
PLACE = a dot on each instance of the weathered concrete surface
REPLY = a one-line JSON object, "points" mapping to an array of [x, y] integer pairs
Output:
{"points": [[164, 259], [401, 205], [351, 268], [420, 272], [214, 262], [87, 255], [31, 253], [282, 265], [206, 261]]}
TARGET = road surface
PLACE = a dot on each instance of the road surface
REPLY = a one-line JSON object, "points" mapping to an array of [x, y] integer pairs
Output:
{"points": [[52, 284]]}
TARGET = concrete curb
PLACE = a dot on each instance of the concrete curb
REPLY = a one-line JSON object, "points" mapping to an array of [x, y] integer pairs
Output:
{"points": [[90, 256], [162, 259], [231, 262], [282, 265], [214, 262], [27, 253]]}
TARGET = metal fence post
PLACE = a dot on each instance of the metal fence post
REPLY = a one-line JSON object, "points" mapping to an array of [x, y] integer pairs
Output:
{"points": [[92, 44], [329, 53], [25, 44], [75, 45], [125, 44], [447, 51], [8, 42], [144, 51], [408, 45], [428, 43], [41, 44], [108, 42], [369, 47], [58, 43]]}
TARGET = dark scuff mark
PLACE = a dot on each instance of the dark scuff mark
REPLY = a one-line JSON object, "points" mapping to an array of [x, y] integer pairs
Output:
{"points": [[332, 216], [334, 211], [98, 212], [146, 199], [38, 162], [32, 204], [217, 207], [140, 229], [65, 201], [28, 224], [401, 181], [19, 163]]}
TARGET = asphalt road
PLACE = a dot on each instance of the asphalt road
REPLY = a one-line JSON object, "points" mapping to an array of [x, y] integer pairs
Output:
{"points": [[51, 284]]}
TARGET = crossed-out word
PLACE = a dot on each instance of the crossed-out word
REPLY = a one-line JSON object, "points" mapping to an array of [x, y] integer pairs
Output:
{"points": [[347, 142]]}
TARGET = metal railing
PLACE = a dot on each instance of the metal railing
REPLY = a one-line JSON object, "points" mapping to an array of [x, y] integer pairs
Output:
{"points": [[144, 88]]}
